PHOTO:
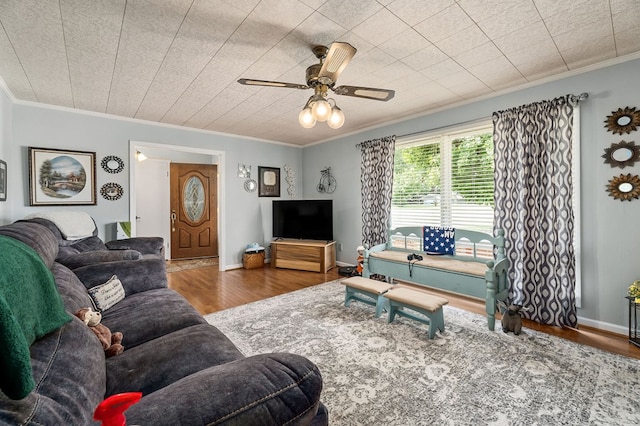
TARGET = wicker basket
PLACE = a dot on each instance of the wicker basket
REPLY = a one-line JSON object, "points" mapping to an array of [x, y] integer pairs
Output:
{"points": [[253, 260]]}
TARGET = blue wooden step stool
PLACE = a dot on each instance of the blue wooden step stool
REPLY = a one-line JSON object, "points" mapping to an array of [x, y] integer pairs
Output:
{"points": [[405, 302], [367, 291]]}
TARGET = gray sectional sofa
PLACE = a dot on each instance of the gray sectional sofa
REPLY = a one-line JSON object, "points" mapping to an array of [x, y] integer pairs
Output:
{"points": [[188, 371]]}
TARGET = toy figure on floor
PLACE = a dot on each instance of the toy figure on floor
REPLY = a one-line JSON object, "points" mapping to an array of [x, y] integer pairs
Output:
{"points": [[360, 260]]}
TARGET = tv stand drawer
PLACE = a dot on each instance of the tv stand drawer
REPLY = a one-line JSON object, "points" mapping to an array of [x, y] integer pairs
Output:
{"points": [[304, 255]]}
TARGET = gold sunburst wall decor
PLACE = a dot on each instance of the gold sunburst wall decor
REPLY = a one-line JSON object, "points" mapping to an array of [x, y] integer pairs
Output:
{"points": [[624, 187], [622, 154], [622, 121]]}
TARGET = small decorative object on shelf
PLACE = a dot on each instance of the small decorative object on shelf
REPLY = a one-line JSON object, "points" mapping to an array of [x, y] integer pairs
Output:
{"points": [[622, 121], [327, 182], [634, 291]]}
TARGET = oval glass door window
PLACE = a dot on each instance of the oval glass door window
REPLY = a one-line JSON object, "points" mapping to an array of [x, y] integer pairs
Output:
{"points": [[194, 199]]}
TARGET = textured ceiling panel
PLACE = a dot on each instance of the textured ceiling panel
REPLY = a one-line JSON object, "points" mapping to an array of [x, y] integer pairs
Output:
{"points": [[178, 61]]}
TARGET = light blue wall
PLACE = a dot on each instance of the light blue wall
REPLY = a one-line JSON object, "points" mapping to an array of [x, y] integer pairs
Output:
{"points": [[248, 217], [610, 231], [6, 110]]}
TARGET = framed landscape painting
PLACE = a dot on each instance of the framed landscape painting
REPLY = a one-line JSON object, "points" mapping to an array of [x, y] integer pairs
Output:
{"points": [[61, 177]]}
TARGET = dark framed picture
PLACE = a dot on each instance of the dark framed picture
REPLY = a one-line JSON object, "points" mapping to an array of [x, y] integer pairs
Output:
{"points": [[61, 177], [268, 181], [3, 181]]}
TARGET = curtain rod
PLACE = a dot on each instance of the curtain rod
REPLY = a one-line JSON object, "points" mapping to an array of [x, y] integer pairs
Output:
{"points": [[575, 99]]}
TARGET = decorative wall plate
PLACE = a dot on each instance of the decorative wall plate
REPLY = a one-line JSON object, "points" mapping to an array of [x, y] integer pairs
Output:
{"points": [[250, 185], [111, 191], [622, 154], [624, 187], [112, 164], [623, 120]]}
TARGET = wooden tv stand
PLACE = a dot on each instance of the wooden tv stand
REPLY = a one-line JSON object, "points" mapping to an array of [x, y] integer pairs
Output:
{"points": [[304, 255]]}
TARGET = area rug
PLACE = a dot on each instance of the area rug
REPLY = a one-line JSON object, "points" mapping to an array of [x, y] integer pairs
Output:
{"points": [[377, 373], [182, 265]]}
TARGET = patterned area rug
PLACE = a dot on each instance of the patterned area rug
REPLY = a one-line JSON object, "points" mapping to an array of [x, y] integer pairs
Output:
{"points": [[377, 373], [182, 265]]}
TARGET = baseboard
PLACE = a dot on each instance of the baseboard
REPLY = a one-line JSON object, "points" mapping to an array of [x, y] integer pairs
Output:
{"points": [[601, 325]]}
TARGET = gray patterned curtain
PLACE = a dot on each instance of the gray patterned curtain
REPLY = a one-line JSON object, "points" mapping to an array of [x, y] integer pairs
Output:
{"points": [[376, 177], [533, 204]]}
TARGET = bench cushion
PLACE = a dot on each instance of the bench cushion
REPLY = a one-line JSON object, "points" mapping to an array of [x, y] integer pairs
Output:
{"points": [[436, 262], [366, 284], [417, 298]]}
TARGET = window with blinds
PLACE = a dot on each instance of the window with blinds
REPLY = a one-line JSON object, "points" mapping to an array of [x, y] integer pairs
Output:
{"points": [[445, 179]]}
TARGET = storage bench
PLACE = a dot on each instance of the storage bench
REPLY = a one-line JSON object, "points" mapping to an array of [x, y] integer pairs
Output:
{"points": [[478, 268]]}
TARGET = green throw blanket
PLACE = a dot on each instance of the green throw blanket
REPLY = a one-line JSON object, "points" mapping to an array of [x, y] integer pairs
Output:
{"points": [[30, 307]]}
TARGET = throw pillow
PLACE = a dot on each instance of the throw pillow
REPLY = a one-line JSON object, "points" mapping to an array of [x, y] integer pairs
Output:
{"points": [[108, 294]]}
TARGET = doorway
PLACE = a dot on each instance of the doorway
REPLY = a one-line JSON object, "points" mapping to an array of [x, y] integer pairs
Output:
{"points": [[194, 209], [180, 154]]}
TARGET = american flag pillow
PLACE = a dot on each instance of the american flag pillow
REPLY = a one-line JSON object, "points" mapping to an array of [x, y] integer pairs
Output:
{"points": [[439, 240]]}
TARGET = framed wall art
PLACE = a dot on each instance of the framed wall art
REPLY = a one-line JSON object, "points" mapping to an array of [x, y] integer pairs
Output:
{"points": [[3, 181], [268, 181], [61, 177]]}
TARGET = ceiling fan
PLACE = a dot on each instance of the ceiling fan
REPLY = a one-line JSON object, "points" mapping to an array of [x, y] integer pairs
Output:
{"points": [[321, 78]]}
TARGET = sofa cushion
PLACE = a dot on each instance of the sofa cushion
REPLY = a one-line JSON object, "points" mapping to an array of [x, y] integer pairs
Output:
{"points": [[36, 236], [69, 370], [78, 260], [73, 292], [160, 362], [145, 316], [267, 389]]}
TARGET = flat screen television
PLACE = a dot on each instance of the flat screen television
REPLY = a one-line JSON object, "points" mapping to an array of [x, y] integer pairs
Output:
{"points": [[303, 219]]}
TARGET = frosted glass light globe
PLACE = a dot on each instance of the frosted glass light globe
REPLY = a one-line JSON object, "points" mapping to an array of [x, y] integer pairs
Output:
{"points": [[337, 118], [306, 119], [321, 110]]}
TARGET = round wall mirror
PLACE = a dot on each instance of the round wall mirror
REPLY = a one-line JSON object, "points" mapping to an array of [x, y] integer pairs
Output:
{"points": [[622, 154], [623, 120], [624, 187], [250, 185]]}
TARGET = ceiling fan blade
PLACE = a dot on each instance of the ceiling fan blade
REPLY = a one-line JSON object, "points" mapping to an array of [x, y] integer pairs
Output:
{"points": [[338, 57], [249, 82], [365, 92]]}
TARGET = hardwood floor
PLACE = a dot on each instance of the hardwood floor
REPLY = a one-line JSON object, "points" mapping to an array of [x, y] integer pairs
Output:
{"points": [[210, 290]]}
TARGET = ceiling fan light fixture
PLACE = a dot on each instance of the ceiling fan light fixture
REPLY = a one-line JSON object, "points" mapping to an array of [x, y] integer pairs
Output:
{"points": [[306, 119], [337, 118], [321, 109]]}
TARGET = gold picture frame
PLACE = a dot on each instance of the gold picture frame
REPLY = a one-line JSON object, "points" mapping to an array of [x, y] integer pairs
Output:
{"points": [[61, 177]]}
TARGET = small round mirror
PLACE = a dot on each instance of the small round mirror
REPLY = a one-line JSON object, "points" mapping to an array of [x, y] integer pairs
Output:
{"points": [[250, 185], [622, 154], [624, 120], [625, 187]]}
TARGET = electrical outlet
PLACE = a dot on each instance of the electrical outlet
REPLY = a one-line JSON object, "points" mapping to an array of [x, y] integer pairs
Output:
{"points": [[339, 246]]}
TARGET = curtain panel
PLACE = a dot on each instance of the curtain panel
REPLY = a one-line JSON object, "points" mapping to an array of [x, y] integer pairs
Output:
{"points": [[533, 204], [376, 177]]}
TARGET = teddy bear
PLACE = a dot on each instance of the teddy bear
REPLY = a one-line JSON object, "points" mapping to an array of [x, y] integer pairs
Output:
{"points": [[111, 342]]}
